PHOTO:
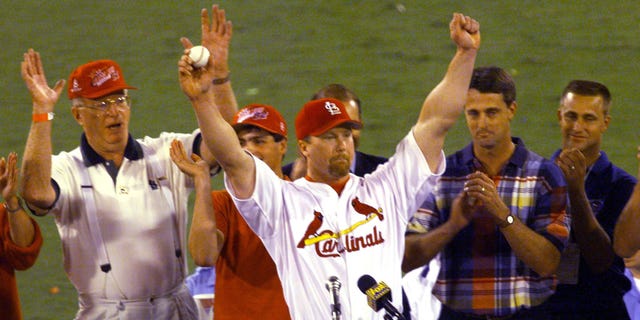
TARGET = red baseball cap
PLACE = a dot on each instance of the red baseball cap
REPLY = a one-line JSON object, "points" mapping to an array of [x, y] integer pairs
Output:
{"points": [[262, 116], [96, 79], [318, 116]]}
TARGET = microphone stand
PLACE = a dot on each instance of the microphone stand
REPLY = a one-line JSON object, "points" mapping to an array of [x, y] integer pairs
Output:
{"points": [[335, 314], [333, 286], [390, 315]]}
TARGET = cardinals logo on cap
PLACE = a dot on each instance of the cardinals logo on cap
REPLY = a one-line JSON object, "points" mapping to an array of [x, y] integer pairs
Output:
{"points": [[332, 108], [318, 116]]}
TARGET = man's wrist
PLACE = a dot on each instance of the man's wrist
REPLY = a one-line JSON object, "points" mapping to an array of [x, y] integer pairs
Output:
{"points": [[223, 80], [507, 221], [42, 117], [14, 209]]}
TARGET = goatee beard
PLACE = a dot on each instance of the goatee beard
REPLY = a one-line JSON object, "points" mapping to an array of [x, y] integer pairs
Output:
{"points": [[339, 168]]}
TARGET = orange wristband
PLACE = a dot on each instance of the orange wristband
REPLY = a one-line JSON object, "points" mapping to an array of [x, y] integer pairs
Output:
{"points": [[42, 117]]}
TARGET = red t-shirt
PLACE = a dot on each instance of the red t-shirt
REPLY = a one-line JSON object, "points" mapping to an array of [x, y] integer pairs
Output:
{"points": [[247, 283], [13, 257]]}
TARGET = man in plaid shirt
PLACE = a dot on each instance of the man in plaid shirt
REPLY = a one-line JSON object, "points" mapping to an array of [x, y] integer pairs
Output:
{"points": [[497, 216]]}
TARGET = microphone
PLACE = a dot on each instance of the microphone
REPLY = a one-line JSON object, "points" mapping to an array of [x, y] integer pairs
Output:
{"points": [[333, 286], [378, 295]]}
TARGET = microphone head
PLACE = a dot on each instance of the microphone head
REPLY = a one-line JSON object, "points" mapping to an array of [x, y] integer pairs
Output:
{"points": [[366, 282], [333, 282], [378, 294]]}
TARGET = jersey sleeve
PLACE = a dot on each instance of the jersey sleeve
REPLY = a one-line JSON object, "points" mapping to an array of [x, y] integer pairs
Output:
{"points": [[263, 209], [20, 258], [407, 177]]}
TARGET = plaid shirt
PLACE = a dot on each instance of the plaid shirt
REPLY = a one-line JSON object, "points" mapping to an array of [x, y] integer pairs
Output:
{"points": [[480, 273]]}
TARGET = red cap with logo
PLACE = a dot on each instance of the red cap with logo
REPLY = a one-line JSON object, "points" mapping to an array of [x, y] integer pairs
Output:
{"points": [[318, 116], [96, 79], [262, 116]]}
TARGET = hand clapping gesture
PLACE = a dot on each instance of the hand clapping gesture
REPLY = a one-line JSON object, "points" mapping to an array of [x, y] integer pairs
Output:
{"points": [[574, 167]]}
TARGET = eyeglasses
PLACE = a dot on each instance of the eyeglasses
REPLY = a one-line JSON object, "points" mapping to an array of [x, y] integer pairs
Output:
{"points": [[121, 103]]}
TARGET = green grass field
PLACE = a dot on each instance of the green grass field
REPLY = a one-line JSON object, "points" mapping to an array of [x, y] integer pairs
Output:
{"points": [[392, 53]]}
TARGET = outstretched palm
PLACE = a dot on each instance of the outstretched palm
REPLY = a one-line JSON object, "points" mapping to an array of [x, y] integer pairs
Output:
{"points": [[193, 167], [9, 176], [36, 81]]}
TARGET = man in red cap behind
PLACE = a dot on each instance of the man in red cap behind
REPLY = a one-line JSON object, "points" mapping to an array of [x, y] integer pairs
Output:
{"points": [[119, 203], [220, 237], [333, 229]]}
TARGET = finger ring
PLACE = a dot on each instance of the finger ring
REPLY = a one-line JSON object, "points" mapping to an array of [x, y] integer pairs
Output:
{"points": [[482, 189], [573, 167]]}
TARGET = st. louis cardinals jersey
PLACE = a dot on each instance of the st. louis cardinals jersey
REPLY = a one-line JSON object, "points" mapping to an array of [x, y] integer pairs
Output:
{"points": [[312, 233]]}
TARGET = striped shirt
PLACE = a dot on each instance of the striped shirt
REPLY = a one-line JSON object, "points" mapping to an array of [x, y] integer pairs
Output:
{"points": [[480, 273]]}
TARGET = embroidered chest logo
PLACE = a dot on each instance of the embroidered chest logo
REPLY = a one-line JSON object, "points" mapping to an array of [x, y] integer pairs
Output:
{"points": [[330, 244]]}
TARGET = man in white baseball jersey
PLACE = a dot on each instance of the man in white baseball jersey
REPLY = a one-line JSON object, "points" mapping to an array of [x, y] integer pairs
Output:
{"points": [[333, 223], [120, 204]]}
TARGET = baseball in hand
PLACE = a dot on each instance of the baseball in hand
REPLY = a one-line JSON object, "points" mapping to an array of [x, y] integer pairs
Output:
{"points": [[199, 55]]}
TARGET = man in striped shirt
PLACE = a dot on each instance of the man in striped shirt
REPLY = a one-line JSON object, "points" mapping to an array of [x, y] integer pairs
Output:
{"points": [[497, 216]]}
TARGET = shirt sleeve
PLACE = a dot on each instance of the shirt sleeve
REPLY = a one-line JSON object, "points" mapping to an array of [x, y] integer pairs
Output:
{"points": [[426, 218], [222, 207], [552, 220], [407, 177], [20, 258]]}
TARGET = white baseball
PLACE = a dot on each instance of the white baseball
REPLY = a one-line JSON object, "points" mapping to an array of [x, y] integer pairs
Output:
{"points": [[199, 55]]}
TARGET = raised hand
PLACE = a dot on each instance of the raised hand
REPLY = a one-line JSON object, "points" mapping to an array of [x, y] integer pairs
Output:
{"points": [[465, 31], [43, 97], [9, 176], [195, 167], [573, 165], [194, 82], [216, 37]]}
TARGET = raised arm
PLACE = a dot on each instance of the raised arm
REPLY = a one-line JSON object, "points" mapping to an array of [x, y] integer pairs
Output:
{"points": [[445, 102], [21, 228], [203, 238], [36, 165], [216, 37], [220, 138], [626, 238]]}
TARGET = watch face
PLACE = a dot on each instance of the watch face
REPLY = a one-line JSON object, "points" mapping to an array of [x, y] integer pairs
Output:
{"points": [[509, 219]]}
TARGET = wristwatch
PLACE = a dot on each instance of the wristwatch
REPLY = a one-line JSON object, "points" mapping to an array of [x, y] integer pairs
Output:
{"points": [[507, 221]]}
